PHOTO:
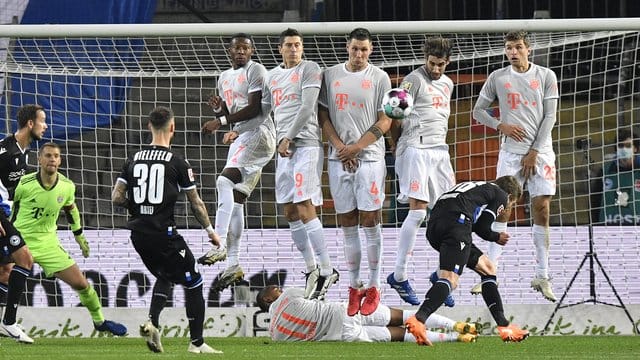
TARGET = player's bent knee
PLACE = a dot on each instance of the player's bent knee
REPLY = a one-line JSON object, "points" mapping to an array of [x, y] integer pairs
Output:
{"points": [[23, 258]]}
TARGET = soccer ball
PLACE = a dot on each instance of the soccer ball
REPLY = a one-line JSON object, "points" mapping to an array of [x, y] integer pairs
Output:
{"points": [[397, 103]]}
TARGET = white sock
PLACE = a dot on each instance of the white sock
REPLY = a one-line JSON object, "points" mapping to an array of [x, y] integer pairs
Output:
{"points": [[433, 336], [225, 206], [406, 241], [316, 238], [541, 242], [495, 249], [234, 237], [435, 321], [352, 254], [406, 314], [301, 240], [374, 253]]}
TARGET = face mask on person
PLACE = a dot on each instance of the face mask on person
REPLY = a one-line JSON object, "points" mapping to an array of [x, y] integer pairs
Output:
{"points": [[625, 153]]}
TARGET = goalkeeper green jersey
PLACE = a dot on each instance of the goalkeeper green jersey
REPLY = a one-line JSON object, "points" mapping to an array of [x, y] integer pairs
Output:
{"points": [[35, 208]]}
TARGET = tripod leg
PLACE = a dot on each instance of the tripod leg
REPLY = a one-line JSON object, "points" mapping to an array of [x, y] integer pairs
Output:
{"points": [[566, 291], [626, 311]]}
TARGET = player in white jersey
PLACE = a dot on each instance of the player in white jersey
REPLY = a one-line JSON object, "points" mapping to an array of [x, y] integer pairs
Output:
{"points": [[294, 318], [423, 164], [253, 143], [528, 98], [353, 121], [291, 91]]}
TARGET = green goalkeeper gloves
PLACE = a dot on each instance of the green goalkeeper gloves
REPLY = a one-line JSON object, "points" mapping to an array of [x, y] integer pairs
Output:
{"points": [[84, 245]]}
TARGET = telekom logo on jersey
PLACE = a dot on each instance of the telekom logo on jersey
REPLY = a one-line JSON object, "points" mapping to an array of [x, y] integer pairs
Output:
{"points": [[279, 97], [342, 100], [514, 100]]}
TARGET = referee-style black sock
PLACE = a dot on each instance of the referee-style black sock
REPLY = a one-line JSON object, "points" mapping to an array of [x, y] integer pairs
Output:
{"points": [[492, 298], [3, 294], [17, 279], [194, 302], [434, 299], [161, 291]]}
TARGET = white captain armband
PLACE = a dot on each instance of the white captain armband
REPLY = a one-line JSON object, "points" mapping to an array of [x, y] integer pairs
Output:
{"points": [[223, 120]]}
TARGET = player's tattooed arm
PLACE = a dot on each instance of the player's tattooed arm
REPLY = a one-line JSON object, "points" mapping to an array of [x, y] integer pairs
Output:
{"points": [[198, 208], [119, 195]]}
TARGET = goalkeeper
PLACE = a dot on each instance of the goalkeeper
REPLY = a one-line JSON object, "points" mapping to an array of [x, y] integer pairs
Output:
{"points": [[37, 202]]}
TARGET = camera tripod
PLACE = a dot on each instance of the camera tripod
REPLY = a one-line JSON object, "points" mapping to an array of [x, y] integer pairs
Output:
{"points": [[592, 256]]}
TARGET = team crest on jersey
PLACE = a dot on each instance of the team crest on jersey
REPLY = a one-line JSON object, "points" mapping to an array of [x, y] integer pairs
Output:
{"points": [[295, 77], [191, 176], [60, 199], [507, 85], [534, 84], [500, 209], [337, 83], [406, 85], [366, 84], [14, 240]]}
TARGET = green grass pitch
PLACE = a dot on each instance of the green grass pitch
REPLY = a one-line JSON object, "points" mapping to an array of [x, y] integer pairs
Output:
{"points": [[487, 347]]}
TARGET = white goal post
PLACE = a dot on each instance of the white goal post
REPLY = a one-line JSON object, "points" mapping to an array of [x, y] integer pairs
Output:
{"points": [[97, 83]]}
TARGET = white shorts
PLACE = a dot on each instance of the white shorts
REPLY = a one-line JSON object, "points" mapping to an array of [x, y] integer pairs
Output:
{"points": [[362, 189], [424, 174], [370, 328], [298, 176], [249, 153], [543, 182]]}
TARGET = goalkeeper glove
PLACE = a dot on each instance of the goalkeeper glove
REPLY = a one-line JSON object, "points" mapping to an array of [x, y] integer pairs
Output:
{"points": [[84, 245]]}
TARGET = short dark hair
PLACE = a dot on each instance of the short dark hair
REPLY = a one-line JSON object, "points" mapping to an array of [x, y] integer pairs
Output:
{"points": [[26, 113], [261, 300], [437, 46], [360, 34], [510, 185], [289, 32], [49, 145], [518, 35], [240, 35], [160, 116]]}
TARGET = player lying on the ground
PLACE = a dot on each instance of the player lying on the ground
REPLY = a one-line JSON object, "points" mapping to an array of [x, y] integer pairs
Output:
{"points": [[294, 318]]}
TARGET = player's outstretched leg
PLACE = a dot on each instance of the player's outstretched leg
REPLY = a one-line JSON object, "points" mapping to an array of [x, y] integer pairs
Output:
{"points": [[404, 289], [449, 301]]}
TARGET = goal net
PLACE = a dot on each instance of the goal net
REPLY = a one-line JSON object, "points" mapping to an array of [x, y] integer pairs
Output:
{"points": [[97, 85]]}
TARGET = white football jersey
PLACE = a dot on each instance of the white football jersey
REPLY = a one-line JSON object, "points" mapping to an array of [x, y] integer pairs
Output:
{"points": [[428, 123], [235, 85], [521, 97], [294, 318], [354, 100], [283, 92]]}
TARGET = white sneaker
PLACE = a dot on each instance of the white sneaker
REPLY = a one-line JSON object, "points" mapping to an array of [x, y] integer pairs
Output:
{"points": [[151, 335], [476, 289], [229, 276], [203, 349], [213, 256], [15, 332], [544, 286]]}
